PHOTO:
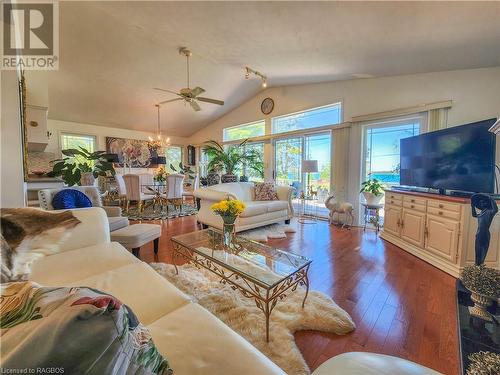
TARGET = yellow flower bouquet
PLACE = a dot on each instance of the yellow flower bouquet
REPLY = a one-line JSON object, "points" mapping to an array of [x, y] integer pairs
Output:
{"points": [[228, 210]]}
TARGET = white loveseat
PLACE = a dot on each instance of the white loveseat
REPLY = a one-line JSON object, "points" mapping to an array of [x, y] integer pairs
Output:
{"points": [[191, 338], [256, 214]]}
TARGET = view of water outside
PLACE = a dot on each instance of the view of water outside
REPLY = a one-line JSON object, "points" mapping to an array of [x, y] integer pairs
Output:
{"points": [[382, 151]]}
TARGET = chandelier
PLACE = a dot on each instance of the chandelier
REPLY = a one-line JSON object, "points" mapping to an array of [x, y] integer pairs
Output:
{"points": [[158, 142]]}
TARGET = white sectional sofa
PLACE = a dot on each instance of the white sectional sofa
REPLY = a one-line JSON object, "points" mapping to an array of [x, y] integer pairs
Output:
{"points": [[191, 338], [256, 214]]}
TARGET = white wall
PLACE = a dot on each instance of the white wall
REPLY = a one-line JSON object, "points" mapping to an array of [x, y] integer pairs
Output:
{"points": [[475, 94], [12, 184]]}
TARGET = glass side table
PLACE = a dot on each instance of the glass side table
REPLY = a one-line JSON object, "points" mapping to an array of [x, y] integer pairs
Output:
{"points": [[308, 210], [372, 215]]}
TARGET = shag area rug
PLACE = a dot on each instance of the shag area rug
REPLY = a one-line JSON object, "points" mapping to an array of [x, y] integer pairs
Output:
{"points": [[320, 313], [264, 234], [149, 214]]}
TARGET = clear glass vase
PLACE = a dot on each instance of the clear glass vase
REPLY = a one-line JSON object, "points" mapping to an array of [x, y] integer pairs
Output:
{"points": [[227, 234]]}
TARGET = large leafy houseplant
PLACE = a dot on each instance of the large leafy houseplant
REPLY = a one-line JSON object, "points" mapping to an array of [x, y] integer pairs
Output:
{"points": [[232, 157], [78, 162]]}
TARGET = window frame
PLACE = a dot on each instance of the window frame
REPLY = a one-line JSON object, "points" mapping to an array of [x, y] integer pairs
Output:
{"points": [[63, 133], [337, 103], [224, 130]]}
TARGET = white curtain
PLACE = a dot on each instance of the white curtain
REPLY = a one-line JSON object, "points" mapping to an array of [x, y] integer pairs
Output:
{"points": [[340, 156], [437, 119]]}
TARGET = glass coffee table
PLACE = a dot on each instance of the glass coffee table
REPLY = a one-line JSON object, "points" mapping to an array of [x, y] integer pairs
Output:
{"points": [[258, 271]]}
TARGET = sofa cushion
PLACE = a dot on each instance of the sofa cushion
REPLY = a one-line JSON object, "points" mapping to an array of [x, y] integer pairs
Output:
{"points": [[62, 268], [265, 191], [254, 208], [137, 285], [117, 222], [70, 198], [197, 343], [274, 206], [78, 330]]}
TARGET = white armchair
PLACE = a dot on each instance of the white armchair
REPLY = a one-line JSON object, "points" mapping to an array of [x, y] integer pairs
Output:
{"points": [[114, 213], [256, 214]]}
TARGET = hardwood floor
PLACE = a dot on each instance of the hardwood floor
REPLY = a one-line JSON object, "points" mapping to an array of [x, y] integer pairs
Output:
{"points": [[401, 305]]}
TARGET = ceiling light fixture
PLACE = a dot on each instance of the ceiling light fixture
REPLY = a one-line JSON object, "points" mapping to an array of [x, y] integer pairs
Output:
{"points": [[159, 142], [249, 71]]}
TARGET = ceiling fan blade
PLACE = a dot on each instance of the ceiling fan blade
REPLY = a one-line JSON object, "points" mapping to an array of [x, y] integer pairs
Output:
{"points": [[208, 100], [168, 101], [197, 91], [169, 91], [195, 106]]}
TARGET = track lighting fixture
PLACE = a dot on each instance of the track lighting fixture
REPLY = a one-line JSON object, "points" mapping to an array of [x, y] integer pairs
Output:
{"points": [[249, 71]]}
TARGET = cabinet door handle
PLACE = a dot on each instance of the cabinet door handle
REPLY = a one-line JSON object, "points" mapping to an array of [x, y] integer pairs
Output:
{"points": [[440, 212], [413, 201], [426, 232], [402, 223], [412, 206], [399, 222], [441, 206]]}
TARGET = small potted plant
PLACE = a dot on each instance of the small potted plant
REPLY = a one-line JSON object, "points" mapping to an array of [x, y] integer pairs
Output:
{"points": [[373, 191], [484, 284]]}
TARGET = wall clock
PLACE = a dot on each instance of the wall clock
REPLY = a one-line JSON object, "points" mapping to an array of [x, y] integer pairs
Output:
{"points": [[267, 106]]}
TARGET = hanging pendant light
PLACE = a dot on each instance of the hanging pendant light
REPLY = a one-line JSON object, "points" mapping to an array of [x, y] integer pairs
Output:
{"points": [[159, 142]]}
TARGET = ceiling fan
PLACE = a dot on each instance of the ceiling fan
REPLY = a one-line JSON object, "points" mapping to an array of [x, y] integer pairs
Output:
{"points": [[187, 94]]}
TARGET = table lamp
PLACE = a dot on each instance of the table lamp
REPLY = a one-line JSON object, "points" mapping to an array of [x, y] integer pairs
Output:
{"points": [[309, 166]]}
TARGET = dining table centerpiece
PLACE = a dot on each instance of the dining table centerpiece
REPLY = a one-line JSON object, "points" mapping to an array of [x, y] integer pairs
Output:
{"points": [[228, 210], [160, 175]]}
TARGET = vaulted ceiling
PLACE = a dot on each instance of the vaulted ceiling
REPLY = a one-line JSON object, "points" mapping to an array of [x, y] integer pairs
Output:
{"points": [[113, 53]]}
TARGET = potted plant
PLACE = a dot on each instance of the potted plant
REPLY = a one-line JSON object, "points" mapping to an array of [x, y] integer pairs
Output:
{"points": [[229, 158], [82, 167], [484, 284], [373, 191]]}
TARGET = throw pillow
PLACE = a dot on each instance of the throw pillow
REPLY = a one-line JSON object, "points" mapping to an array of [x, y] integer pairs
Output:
{"points": [[28, 234], [70, 198], [265, 191], [74, 330]]}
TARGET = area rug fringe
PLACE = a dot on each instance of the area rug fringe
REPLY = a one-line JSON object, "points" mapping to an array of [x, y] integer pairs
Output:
{"points": [[320, 313]]}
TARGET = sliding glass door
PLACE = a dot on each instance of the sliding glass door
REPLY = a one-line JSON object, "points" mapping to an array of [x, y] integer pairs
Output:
{"points": [[288, 156]]}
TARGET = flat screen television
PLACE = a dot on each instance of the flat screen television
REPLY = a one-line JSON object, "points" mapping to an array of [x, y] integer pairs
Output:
{"points": [[460, 158]]}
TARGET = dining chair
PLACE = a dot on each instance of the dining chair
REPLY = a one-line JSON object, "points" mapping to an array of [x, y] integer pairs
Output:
{"points": [[133, 191], [189, 190], [121, 189], [175, 188]]}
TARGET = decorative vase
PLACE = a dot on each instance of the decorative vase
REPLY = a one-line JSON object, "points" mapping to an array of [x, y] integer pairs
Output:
{"points": [[229, 177], [87, 179], [243, 178], [372, 199], [213, 178], [481, 303], [203, 181], [228, 233]]}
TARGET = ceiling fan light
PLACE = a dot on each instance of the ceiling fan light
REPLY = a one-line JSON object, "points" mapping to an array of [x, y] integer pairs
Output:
{"points": [[264, 83], [150, 138]]}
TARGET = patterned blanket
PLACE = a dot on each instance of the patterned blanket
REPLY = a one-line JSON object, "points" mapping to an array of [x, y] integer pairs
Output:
{"points": [[73, 331]]}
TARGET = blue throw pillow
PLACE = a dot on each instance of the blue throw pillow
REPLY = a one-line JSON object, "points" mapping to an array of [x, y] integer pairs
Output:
{"points": [[70, 198]]}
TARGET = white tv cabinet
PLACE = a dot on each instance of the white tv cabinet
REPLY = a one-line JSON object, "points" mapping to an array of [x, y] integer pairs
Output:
{"points": [[438, 229]]}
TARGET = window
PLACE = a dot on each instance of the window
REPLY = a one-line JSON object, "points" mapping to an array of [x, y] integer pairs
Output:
{"points": [[312, 118], [68, 140], [257, 172], [173, 154], [253, 129], [381, 148]]}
